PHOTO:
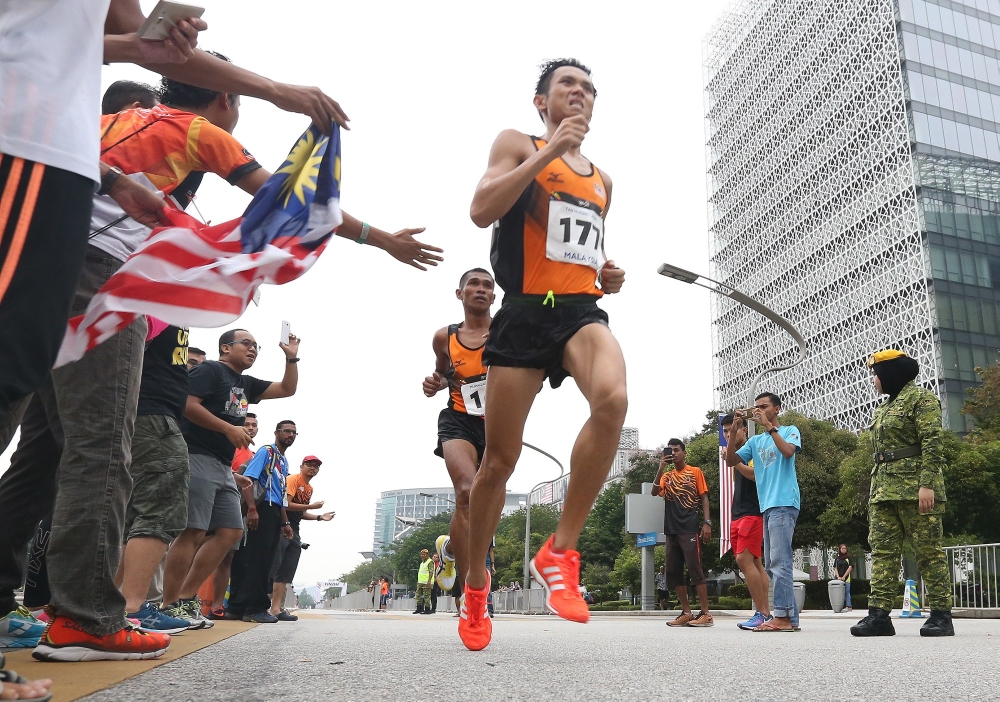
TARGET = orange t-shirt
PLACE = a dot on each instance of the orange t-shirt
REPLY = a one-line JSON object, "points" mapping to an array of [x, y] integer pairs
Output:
{"points": [[241, 456], [682, 491], [298, 490]]}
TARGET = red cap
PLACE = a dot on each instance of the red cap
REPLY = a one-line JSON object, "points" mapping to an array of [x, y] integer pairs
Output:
{"points": [[312, 459]]}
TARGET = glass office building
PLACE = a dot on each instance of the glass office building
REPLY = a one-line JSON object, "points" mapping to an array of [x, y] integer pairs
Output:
{"points": [[854, 187]]}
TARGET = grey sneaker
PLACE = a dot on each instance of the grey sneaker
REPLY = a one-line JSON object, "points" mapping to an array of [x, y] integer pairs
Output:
{"points": [[193, 609]]}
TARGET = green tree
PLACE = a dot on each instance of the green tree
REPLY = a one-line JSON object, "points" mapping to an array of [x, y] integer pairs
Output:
{"points": [[627, 572], [365, 572], [604, 531], [509, 550], [405, 553], [983, 404], [306, 600], [597, 578]]}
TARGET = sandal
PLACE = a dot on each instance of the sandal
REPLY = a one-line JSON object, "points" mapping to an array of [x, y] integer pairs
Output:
{"points": [[11, 676], [768, 627]]}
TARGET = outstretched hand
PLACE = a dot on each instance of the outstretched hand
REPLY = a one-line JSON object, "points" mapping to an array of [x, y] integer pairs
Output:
{"points": [[403, 247]]}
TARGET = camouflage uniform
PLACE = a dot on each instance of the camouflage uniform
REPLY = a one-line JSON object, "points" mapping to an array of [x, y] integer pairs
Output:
{"points": [[913, 418]]}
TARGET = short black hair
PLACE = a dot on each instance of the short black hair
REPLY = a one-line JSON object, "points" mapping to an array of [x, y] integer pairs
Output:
{"points": [[728, 419], [251, 415], [461, 281], [550, 67], [122, 93], [227, 338], [774, 399], [283, 421], [174, 93], [195, 349], [676, 442]]}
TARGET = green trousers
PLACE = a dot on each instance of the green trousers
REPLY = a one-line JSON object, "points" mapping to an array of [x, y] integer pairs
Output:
{"points": [[889, 524], [424, 595]]}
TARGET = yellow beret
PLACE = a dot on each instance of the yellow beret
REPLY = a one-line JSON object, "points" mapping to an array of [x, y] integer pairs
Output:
{"points": [[886, 355]]}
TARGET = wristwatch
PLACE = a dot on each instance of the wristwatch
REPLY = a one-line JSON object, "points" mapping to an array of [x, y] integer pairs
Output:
{"points": [[772, 430], [108, 180], [284, 524], [292, 360], [708, 521]]}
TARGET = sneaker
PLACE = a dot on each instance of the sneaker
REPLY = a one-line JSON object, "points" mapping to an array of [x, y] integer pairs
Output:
{"points": [[181, 610], [151, 619], [286, 616], [474, 626], [261, 618], [20, 629], [193, 608], [217, 613], [447, 571], [682, 619], [756, 620], [703, 619], [65, 640], [559, 574]]}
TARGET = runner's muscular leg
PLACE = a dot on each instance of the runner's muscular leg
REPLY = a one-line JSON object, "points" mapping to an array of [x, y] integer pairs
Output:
{"points": [[460, 458], [594, 359], [509, 396]]}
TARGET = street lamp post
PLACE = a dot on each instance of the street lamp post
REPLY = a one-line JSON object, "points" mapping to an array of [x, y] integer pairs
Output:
{"points": [[723, 289], [527, 519]]}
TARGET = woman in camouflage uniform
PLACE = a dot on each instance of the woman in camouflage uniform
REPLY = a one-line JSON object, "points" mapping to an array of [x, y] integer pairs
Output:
{"points": [[907, 497]]}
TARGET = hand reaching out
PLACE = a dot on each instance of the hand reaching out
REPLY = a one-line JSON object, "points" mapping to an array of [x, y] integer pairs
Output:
{"points": [[403, 247]]}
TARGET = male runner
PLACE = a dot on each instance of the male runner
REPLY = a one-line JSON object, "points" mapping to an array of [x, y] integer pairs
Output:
{"points": [[458, 366], [548, 256]]}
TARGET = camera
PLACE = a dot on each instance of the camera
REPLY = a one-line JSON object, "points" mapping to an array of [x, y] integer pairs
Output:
{"points": [[305, 546]]}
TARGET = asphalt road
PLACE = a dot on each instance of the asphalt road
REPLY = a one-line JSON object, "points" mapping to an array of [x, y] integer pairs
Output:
{"points": [[409, 658]]}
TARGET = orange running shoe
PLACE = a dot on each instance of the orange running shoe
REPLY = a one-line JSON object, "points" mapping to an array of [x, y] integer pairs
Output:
{"points": [[65, 640], [474, 625], [559, 574]]}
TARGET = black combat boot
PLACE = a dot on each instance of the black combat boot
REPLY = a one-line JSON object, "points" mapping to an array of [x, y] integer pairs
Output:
{"points": [[419, 609], [938, 624], [877, 623]]}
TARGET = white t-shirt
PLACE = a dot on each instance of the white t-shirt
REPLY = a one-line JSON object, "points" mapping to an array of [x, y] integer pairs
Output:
{"points": [[51, 53]]}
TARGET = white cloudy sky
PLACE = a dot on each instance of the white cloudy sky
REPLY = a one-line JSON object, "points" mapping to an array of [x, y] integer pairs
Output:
{"points": [[427, 89]]}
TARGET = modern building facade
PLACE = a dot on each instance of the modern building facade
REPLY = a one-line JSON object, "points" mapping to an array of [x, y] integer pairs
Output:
{"points": [[554, 493], [398, 510], [853, 153]]}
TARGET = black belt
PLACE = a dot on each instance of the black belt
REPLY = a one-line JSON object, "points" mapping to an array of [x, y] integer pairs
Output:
{"points": [[548, 300], [896, 454]]}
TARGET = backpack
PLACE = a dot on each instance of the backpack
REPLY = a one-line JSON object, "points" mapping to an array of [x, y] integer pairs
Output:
{"points": [[259, 490]]}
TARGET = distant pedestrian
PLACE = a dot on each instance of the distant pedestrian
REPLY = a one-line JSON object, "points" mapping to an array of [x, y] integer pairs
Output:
{"points": [[435, 588], [907, 499], [843, 568], [425, 574], [773, 455], [684, 490], [661, 587], [384, 593]]}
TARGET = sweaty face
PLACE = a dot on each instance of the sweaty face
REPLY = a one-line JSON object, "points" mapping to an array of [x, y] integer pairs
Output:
{"points": [[478, 291], [571, 92]]}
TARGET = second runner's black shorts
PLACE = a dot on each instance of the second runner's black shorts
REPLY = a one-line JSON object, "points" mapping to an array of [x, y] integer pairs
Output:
{"points": [[528, 334], [453, 424]]}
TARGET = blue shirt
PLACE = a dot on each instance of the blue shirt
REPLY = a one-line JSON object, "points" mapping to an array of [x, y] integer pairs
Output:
{"points": [[273, 481], [777, 483]]}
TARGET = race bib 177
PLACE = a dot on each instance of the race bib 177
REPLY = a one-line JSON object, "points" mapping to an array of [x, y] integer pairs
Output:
{"points": [[576, 232]]}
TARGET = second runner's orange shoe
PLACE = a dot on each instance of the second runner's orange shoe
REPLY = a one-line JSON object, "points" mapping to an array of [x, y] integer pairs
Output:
{"points": [[474, 625], [65, 640], [559, 574]]}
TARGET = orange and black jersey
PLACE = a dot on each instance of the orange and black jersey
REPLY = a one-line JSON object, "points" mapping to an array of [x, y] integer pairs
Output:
{"points": [[466, 376], [552, 239]]}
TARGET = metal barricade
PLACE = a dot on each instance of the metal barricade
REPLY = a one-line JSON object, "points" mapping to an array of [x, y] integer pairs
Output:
{"points": [[975, 576]]}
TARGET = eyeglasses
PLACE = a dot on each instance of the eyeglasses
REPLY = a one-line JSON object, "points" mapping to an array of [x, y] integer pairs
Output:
{"points": [[249, 343], [287, 431]]}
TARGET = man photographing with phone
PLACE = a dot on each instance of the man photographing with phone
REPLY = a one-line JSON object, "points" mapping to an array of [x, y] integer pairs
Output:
{"points": [[683, 488]]}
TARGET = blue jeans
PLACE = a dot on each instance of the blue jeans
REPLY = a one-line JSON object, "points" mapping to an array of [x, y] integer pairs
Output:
{"points": [[779, 527], [847, 594]]}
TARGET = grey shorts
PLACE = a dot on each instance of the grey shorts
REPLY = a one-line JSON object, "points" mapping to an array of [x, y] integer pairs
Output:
{"points": [[213, 498], [159, 470]]}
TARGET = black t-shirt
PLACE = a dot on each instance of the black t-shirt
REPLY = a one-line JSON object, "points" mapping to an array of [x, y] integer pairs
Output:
{"points": [[745, 502], [226, 394], [842, 564], [164, 386]]}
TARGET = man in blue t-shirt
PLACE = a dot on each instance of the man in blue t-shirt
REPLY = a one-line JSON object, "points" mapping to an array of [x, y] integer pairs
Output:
{"points": [[773, 453], [267, 521]]}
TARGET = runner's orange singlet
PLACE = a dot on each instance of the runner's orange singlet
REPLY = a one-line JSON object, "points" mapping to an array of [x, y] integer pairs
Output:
{"points": [[552, 239], [466, 376]]}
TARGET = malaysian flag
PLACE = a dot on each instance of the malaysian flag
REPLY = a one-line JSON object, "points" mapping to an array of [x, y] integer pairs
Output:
{"points": [[725, 494], [192, 275]]}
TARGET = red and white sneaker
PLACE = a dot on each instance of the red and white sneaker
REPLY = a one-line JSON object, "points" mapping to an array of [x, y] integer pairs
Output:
{"points": [[65, 640], [559, 574], [474, 625]]}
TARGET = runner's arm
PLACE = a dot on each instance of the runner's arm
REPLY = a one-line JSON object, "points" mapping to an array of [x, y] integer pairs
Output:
{"points": [[401, 245], [514, 163], [436, 382]]}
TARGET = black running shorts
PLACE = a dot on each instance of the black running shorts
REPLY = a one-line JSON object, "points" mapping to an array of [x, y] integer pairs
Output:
{"points": [[528, 334], [683, 549], [453, 424]]}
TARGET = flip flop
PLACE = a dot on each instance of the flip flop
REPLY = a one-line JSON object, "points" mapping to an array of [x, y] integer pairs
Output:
{"points": [[11, 676], [767, 628]]}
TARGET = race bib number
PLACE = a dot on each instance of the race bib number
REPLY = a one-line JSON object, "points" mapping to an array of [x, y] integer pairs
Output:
{"points": [[576, 232], [474, 396]]}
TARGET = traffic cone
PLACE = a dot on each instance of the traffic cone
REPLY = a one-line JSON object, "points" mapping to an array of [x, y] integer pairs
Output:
{"points": [[911, 601]]}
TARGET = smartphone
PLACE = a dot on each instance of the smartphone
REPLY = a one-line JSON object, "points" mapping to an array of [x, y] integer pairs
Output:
{"points": [[286, 332], [165, 17]]}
